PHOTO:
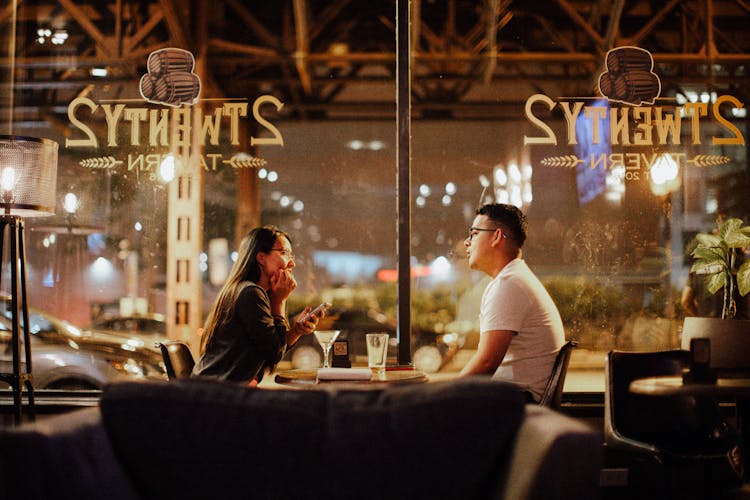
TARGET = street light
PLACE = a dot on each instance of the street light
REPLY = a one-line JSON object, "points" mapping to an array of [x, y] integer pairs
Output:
{"points": [[70, 203], [664, 175], [167, 169]]}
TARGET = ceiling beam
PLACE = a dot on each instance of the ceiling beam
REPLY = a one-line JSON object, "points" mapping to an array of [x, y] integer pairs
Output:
{"points": [[581, 22], [84, 22], [239, 48], [255, 25], [274, 59], [459, 48], [303, 44], [325, 18], [613, 29], [492, 11], [745, 5], [613, 26], [143, 31], [118, 28], [7, 12], [652, 23], [174, 25]]}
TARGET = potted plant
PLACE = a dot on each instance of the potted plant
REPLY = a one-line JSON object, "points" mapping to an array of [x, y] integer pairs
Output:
{"points": [[718, 257]]}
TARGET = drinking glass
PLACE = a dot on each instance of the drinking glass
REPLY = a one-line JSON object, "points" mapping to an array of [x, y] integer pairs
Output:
{"points": [[325, 339], [377, 351]]}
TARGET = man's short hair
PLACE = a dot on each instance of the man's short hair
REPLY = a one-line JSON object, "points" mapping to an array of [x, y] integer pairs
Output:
{"points": [[510, 217]]}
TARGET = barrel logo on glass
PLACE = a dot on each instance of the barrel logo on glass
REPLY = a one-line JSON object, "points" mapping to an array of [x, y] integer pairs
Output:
{"points": [[170, 79], [629, 77]]}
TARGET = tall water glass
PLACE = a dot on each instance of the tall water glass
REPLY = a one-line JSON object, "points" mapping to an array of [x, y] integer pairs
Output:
{"points": [[377, 352]]}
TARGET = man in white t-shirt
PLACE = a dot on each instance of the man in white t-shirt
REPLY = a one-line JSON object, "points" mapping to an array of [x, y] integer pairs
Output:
{"points": [[520, 330]]}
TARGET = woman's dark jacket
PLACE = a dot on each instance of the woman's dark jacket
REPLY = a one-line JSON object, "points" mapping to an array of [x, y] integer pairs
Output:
{"points": [[250, 341]]}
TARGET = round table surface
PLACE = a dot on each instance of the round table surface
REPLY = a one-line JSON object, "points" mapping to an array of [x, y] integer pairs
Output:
{"points": [[310, 378], [674, 386]]}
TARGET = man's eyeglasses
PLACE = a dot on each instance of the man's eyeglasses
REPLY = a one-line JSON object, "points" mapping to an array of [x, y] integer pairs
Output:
{"points": [[473, 231], [286, 253]]}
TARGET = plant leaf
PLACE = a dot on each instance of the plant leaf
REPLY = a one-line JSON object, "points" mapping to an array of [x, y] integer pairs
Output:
{"points": [[737, 239], [707, 240], [713, 255], [743, 278], [716, 282], [707, 268], [728, 227]]}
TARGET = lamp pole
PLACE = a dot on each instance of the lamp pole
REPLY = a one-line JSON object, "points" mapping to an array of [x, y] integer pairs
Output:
{"points": [[403, 133], [28, 179], [667, 241], [664, 178]]}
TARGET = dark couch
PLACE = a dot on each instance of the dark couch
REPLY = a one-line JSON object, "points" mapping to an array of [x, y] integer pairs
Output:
{"points": [[468, 438]]}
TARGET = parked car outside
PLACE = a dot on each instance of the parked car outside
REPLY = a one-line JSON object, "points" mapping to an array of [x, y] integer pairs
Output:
{"points": [[67, 357], [151, 328], [430, 351]]}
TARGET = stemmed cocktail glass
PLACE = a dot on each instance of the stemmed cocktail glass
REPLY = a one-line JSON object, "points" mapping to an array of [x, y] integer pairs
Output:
{"points": [[326, 339]]}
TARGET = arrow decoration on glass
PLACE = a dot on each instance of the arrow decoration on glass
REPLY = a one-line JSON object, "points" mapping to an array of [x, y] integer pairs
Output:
{"points": [[102, 162], [709, 160], [250, 162], [567, 161]]}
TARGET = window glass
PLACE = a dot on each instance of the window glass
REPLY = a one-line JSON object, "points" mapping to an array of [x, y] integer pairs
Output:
{"points": [[618, 161], [166, 160], [179, 131]]}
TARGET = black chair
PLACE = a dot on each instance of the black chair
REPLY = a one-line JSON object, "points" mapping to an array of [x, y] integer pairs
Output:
{"points": [[178, 359], [664, 447], [553, 392]]}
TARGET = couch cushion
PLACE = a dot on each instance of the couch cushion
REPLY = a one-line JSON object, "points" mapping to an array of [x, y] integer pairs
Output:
{"points": [[203, 438], [63, 457], [556, 457]]}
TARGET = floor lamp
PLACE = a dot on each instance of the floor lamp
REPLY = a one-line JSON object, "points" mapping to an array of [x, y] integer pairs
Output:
{"points": [[28, 178]]}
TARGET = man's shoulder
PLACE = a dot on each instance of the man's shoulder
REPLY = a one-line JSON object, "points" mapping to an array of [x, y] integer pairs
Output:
{"points": [[509, 284], [517, 271], [515, 266]]}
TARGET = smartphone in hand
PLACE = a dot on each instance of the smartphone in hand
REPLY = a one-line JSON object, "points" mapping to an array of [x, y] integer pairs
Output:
{"points": [[318, 311]]}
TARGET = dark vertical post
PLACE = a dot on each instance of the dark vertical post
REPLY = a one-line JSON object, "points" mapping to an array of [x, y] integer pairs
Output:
{"points": [[26, 327], [403, 148], [667, 236], [15, 322], [21, 376]]}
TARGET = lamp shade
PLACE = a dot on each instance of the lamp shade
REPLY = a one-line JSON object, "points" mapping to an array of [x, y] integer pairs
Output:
{"points": [[28, 176]]}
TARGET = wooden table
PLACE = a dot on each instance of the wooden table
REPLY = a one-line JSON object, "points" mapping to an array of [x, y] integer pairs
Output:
{"points": [[309, 378], [674, 386]]}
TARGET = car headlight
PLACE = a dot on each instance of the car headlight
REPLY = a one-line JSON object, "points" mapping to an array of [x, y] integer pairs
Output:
{"points": [[128, 367], [135, 368], [155, 370]]}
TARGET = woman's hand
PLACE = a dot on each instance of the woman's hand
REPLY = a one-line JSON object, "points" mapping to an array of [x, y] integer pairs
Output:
{"points": [[282, 285], [304, 324]]}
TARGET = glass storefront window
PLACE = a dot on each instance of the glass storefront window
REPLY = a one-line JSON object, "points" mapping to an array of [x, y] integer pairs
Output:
{"points": [[180, 130]]}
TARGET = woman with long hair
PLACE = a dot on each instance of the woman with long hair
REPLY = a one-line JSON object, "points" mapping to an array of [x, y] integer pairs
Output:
{"points": [[246, 331]]}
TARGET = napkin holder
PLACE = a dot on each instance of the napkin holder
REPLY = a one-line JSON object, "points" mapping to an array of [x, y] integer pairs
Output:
{"points": [[341, 354], [699, 370]]}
